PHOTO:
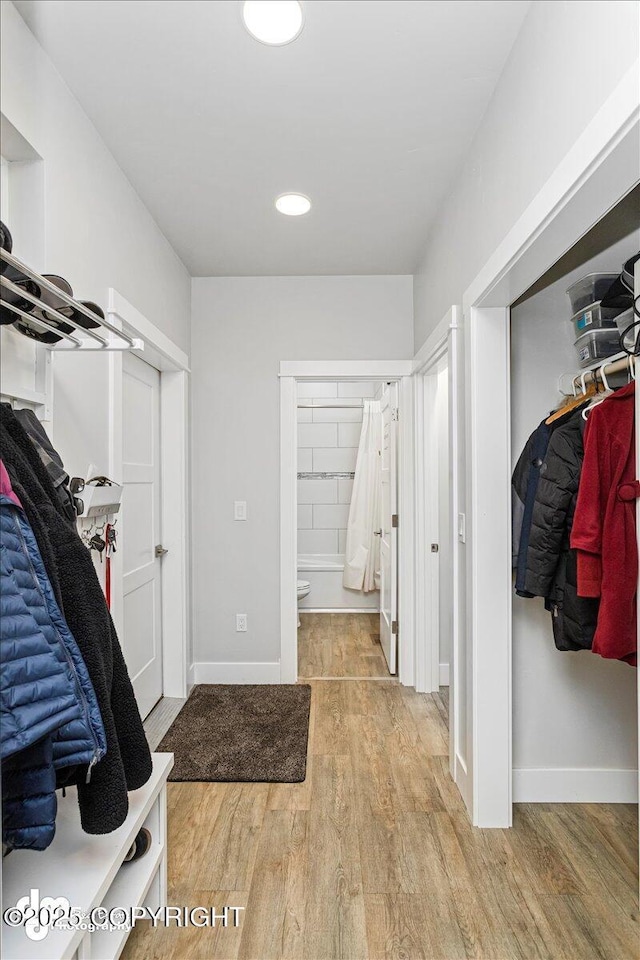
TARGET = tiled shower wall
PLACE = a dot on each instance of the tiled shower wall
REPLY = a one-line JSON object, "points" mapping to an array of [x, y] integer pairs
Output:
{"points": [[327, 443]]}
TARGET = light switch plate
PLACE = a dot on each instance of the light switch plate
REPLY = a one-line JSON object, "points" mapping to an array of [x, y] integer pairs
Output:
{"points": [[240, 510]]}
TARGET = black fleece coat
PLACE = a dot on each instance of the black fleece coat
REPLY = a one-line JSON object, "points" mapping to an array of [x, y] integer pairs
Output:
{"points": [[551, 569], [127, 764]]}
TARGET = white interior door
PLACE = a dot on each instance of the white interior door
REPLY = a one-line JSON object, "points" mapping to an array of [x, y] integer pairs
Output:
{"points": [[388, 528], [636, 294], [443, 554], [142, 600]]}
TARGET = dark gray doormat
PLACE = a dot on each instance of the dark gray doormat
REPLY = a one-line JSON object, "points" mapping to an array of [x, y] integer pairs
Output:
{"points": [[249, 732]]}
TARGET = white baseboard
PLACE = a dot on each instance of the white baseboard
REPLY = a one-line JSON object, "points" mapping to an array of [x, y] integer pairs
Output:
{"points": [[575, 786], [338, 610], [191, 678], [444, 675], [237, 672], [463, 781]]}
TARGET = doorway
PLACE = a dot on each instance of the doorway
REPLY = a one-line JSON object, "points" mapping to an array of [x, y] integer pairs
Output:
{"points": [[346, 564], [388, 531], [592, 181], [148, 427], [321, 570], [440, 532]]}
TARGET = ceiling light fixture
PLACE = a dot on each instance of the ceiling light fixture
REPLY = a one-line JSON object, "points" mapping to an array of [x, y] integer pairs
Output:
{"points": [[293, 204], [275, 22]]}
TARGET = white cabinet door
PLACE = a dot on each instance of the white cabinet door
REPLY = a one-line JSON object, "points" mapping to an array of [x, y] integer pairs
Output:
{"points": [[142, 601], [388, 529]]}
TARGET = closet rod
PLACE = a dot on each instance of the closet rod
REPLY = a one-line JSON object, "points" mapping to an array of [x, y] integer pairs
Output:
{"points": [[330, 406], [50, 310], [611, 367], [61, 295]]}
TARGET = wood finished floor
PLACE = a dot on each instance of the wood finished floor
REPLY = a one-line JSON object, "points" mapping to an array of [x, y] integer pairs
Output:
{"points": [[373, 857], [340, 645]]}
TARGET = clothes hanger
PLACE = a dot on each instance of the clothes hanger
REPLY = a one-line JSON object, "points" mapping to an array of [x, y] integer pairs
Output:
{"points": [[608, 390], [575, 402]]}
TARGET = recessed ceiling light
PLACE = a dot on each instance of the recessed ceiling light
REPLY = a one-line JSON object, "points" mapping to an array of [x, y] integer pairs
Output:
{"points": [[293, 204], [275, 22]]}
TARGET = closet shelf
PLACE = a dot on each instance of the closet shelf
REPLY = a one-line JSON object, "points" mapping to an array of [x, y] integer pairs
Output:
{"points": [[101, 335]]}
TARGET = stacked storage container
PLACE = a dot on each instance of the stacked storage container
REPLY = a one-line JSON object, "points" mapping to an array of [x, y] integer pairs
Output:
{"points": [[595, 325]]}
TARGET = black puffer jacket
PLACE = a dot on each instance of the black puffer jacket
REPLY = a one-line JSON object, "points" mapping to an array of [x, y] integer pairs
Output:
{"points": [[127, 763], [551, 563]]}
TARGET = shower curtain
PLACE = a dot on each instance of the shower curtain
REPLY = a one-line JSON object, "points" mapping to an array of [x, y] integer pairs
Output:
{"points": [[362, 553]]}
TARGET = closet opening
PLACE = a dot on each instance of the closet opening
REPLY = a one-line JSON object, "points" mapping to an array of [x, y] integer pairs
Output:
{"points": [[577, 195], [572, 412]]}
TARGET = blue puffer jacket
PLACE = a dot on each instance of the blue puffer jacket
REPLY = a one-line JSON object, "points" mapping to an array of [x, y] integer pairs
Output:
{"points": [[49, 716]]}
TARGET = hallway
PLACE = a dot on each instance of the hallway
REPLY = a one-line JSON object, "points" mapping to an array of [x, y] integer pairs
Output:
{"points": [[340, 645], [373, 856]]}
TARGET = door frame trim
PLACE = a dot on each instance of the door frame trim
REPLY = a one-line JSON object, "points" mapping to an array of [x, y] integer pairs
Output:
{"points": [[444, 343], [173, 365], [426, 491], [290, 372], [392, 403]]}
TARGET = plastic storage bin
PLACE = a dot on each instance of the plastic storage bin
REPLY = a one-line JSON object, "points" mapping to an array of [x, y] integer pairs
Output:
{"points": [[624, 320], [594, 317], [597, 345], [590, 289]]}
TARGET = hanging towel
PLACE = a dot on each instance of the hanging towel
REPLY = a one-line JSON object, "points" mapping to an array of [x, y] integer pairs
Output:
{"points": [[362, 552]]}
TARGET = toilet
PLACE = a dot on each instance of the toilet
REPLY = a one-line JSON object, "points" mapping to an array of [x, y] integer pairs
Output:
{"points": [[303, 591]]}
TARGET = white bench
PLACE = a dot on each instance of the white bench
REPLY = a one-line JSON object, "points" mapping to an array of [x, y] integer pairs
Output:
{"points": [[89, 872]]}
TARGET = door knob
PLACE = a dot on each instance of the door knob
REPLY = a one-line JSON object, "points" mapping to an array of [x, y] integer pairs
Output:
{"points": [[160, 550], [377, 533]]}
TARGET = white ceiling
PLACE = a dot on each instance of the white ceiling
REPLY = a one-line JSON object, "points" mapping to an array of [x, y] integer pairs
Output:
{"points": [[370, 112]]}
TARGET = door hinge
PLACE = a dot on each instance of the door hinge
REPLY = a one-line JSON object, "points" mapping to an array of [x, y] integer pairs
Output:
{"points": [[394, 520], [395, 414], [394, 628]]}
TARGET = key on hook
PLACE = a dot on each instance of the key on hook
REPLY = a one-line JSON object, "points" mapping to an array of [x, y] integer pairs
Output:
{"points": [[97, 543]]}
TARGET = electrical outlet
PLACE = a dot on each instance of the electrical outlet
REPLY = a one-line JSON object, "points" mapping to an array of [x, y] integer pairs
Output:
{"points": [[241, 623]]}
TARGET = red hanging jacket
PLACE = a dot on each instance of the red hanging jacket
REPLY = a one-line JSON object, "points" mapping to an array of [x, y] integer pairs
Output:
{"points": [[604, 526]]}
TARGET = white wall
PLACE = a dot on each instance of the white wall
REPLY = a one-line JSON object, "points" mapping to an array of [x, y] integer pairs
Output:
{"points": [[73, 212], [88, 225], [570, 710], [567, 59], [241, 328]]}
